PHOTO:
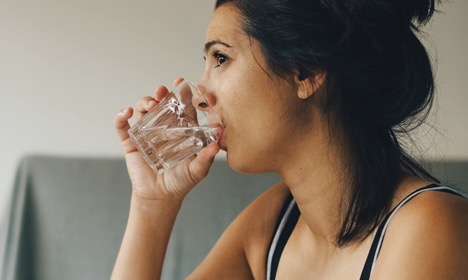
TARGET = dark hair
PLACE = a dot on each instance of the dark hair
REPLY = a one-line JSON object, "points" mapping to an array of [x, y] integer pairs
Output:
{"points": [[379, 83]]}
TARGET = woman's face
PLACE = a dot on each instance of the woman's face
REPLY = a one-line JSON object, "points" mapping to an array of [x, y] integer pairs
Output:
{"points": [[251, 101]]}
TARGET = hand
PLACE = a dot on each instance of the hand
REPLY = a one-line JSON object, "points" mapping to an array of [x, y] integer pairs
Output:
{"points": [[175, 182]]}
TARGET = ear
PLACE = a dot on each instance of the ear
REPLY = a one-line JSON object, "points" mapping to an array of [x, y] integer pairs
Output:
{"points": [[308, 85]]}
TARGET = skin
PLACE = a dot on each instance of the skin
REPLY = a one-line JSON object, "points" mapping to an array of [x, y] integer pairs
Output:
{"points": [[428, 238]]}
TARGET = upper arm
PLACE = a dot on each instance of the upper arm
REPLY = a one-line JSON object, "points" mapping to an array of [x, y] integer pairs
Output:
{"points": [[427, 239], [234, 256]]}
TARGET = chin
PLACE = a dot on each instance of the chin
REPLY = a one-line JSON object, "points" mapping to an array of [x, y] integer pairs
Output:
{"points": [[245, 164]]}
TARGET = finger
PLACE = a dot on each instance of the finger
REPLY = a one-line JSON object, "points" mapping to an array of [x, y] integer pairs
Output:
{"points": [[144, 105], [121, 123], [201, 164], [178, 81], [160, 93], [186, 97]]}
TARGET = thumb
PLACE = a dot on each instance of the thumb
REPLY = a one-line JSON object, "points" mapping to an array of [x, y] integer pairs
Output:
{"points": [[201, 164]]}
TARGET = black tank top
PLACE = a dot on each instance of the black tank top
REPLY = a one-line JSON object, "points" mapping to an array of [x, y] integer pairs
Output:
{"points": [[290, 214]]}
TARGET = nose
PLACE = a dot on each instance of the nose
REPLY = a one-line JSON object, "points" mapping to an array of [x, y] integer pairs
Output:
{"points": [[207, 102], [204, 102], [208, 99]]}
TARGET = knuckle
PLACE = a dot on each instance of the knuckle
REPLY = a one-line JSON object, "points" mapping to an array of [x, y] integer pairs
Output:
{"points": [[143, 102]]}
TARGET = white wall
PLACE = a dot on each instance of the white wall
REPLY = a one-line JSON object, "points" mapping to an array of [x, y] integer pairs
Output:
{"points": [[448, 44], [66, 67]]}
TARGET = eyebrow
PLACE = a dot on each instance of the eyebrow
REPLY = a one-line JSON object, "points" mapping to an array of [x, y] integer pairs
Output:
{"points": [[210, 44]]}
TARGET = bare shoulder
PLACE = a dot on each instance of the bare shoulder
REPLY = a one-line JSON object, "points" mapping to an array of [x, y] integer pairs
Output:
{"points": [[427, 239], [240, 253], [260, 219]]}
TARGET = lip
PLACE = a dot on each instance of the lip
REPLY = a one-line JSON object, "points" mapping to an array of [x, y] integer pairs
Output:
{"points": [[220, 137]]}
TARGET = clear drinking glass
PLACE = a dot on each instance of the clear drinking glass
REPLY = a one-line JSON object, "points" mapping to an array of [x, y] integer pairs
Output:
{"points": [[178, 127]]}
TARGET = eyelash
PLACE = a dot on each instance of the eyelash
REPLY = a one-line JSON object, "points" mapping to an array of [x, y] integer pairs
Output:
{"points": [[218, 55]]}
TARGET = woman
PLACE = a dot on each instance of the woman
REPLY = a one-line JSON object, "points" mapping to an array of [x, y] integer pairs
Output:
{"points": [[318, 92]]}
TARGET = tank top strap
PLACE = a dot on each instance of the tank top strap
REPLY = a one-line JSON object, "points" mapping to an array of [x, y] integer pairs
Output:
{"points": [[284, 226], [380, 234]]}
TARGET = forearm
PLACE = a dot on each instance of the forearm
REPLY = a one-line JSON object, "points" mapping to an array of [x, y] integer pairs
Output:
{"points": [[146, 237]]}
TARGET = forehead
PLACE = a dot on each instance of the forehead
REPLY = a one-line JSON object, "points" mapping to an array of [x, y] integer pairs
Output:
{"points": [[225, 24]]}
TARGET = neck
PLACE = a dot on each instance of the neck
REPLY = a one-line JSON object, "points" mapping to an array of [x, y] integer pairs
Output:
{"points": [[314, 175]]}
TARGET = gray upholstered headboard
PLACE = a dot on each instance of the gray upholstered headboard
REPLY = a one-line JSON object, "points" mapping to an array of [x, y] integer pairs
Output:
{"points": [[453, 173], [68, 216]]}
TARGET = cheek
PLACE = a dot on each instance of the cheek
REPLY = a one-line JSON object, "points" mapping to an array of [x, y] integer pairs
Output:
{"points": [[253, 104], [254, 109]]}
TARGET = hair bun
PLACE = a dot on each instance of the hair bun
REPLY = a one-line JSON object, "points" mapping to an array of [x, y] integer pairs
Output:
{"points": [[412, 13]]}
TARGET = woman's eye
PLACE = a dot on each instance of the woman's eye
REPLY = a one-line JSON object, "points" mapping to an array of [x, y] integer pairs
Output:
{"points": [[220, 58]]}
